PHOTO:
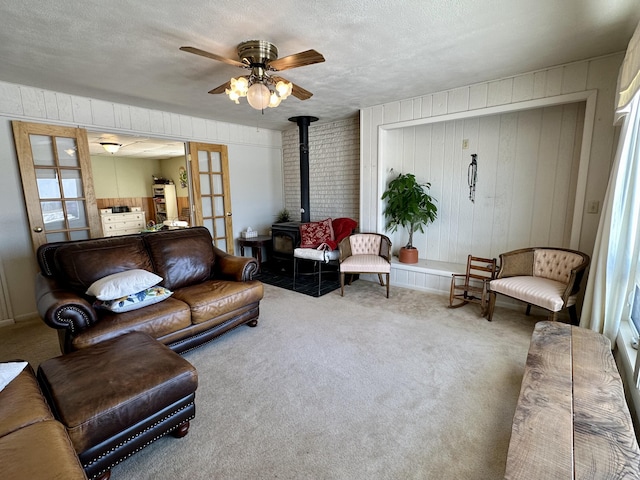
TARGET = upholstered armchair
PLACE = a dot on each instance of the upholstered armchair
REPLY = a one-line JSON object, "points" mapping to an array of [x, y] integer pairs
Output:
{"points": [[546, 277], [365, 253], [319, 244]]}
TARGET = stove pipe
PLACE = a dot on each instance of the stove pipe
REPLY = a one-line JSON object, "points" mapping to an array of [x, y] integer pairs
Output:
{"points": [[303, 127]]}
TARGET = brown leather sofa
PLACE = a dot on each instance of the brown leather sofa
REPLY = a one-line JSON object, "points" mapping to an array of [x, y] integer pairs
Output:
{"points": [[33, 444], [213, 292]]}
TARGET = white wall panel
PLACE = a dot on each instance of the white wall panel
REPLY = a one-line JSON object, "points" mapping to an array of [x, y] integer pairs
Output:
{"points": [[439, 103], [509, 147], [426, 108], [478, 96], [526, 170]]}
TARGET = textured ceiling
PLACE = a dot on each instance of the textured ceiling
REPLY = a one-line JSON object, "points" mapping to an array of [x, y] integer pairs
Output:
{"points": [[376, 51]]}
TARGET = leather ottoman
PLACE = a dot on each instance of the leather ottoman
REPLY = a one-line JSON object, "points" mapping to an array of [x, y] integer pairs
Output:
{"points": [[118, 396]]}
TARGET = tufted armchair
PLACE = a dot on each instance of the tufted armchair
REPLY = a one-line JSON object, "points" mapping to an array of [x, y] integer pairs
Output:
{"points": [[365, 253], [546, 277]]}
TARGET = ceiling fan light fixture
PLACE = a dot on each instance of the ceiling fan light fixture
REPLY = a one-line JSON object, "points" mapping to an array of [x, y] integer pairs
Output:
{"points": [[111, 147], [284, 89], [233, 95], [274, 100], [240, 85], [258, 96]]}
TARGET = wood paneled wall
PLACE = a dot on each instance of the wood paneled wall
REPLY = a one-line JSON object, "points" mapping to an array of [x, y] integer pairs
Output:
{"points": [[592, 81], [527, 175]]}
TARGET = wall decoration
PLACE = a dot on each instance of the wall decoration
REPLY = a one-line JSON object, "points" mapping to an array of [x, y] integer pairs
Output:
{"points": [[182, 175], [472, 177]]}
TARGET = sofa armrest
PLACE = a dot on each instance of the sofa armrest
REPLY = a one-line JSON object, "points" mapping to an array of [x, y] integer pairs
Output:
{"points": [[232, 267], [61, 308]]}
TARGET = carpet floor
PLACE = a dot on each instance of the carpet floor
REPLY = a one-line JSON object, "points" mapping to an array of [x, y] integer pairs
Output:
{"points": [[353, 387]]}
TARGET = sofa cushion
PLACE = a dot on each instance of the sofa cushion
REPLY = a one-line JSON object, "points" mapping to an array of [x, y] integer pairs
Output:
{"points": [[22, 404], [41, 450], [216, 298], [123, 284], [82, 263], [156, 320], [543, 292], [183, 257]]}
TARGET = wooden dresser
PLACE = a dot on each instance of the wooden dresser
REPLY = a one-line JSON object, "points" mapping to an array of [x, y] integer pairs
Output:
{"points": [[572, 420], [122, 223]]}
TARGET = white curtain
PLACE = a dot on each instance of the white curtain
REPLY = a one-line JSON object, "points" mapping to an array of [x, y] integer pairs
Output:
{"points": [[616, 252], [629, 77]]}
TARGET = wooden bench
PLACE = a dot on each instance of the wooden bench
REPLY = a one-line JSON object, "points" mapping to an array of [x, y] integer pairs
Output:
{"points": [[572, 420]]}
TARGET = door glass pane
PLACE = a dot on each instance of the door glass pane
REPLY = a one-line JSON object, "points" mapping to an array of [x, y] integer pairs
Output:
{"points": [[56, 237], [67, 150], [209, 224], [222, 244], [219, 227], [47, 180], [216, 165], [53, 215], [79, 234], [205, 187], [217, 183], [76, 214], [206, 208], [42, 150], [203, 161], [71, 183], [218, 206]]}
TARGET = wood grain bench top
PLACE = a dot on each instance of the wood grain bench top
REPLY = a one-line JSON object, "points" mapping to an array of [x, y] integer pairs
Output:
{"points": [[572, 420]]}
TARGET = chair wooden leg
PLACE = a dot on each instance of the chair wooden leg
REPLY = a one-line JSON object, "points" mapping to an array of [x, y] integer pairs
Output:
{"points": [[492, 304], [528, 311], [342, 284], [295, 271], [380, 280], [573, 314], [387, 285], [319, 276]]}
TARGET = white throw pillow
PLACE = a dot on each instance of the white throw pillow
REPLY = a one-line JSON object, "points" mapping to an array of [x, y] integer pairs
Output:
{"points": [[9, 371], [123, 284]]}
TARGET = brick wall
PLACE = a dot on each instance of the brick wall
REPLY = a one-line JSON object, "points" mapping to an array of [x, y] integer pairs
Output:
{"points": [[334, 170]]}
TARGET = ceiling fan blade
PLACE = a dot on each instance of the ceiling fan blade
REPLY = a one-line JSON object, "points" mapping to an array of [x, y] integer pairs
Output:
{"points": [[297, 91], [221, 88], [213, 56], [296, 60]]}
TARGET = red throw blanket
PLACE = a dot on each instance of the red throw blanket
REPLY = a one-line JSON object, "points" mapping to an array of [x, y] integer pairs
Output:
{"points": [[342, 228]]}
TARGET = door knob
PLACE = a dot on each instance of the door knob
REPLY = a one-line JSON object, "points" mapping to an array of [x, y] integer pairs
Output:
{"points": [[229, 214], [37, 229]]}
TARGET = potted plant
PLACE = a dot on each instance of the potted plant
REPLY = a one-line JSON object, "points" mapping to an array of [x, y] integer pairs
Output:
{"points": [[283, 216], [410, 206]]}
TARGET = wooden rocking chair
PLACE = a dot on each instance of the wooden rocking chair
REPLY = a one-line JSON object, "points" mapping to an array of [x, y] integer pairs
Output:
{"points": [[472, 286]]}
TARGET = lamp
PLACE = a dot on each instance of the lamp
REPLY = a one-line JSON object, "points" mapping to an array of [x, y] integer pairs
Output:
{"points": [[261, 90], [111, 147]]}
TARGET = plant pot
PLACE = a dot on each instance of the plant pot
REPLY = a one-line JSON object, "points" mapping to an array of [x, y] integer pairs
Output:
{"points": [[408, 255]]}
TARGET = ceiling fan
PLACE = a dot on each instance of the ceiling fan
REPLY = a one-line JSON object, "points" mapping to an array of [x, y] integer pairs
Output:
{"points": [[261, 87]]}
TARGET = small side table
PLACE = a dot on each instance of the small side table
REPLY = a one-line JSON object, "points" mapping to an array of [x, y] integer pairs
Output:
{"points": [[256, 244]]}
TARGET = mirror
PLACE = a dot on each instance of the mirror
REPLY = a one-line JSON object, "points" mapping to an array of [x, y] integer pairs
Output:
{"points": [[124, 180]]}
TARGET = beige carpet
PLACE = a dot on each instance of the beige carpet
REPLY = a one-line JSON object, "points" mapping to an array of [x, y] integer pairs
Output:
{"points": [[354, 387]]}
